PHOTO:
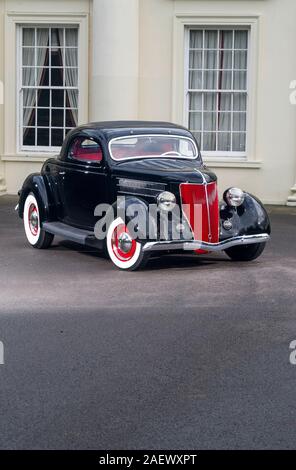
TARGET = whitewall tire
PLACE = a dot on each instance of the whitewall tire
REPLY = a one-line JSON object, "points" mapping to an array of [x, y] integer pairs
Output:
{"points": [[37, 237], [125, 252]]}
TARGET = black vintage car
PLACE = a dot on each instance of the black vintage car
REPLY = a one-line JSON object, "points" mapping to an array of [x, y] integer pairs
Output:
{"points": [[137, 188]]}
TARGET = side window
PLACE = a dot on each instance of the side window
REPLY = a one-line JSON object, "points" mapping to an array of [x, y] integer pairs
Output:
{"points": [[87, 150]]}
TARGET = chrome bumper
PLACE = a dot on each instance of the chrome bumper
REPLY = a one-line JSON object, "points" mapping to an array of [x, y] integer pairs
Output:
{"points": [[200, 245]]}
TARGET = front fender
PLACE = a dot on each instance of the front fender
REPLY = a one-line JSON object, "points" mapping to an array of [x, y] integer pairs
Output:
{"points": [[248, 219], [136, 210], [36, 184]]}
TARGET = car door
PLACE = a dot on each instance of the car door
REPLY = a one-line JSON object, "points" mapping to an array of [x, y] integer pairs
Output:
{"points": [[82, 182]]}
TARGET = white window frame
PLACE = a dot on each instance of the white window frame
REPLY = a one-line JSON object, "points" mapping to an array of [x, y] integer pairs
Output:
{"points": [[38, 148], [182, 24], [216, 153], [13, 20]]}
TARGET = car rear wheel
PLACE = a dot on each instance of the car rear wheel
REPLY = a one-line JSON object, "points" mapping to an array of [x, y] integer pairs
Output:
{"points": [[246, 252], [36, 236], [125, 252]]}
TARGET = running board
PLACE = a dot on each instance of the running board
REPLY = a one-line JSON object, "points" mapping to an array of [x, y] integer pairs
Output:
{"points": [[78, 235]]}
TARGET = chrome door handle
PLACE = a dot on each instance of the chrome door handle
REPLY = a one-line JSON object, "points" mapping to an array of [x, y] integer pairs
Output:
{"points": [[62, 172]]}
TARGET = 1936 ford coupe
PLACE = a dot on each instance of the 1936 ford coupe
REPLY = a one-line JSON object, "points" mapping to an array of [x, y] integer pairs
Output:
{"points": [[137, 188]]}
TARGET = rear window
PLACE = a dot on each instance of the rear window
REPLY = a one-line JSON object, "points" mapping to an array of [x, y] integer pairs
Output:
{"points": [[151, 146]]}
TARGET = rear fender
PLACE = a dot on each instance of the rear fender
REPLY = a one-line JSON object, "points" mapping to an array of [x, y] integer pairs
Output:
{"points": [[36, 184]]}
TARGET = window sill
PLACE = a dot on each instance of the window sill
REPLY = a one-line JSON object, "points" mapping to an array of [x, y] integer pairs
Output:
{"points": [[232, 163], [36, 158]]}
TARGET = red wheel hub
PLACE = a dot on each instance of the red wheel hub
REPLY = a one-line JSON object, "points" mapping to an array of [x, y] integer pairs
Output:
{"points": [[123, 245], [33, 219]]}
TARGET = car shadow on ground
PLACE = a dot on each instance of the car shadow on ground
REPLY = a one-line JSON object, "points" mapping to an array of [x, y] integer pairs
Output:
{"points": [[155, 262]]}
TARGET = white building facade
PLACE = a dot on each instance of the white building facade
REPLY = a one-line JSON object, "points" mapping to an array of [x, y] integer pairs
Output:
{"points": [[224, 68]]}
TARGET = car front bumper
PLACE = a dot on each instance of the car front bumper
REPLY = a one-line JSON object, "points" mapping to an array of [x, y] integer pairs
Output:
{"points": [[191, 245]]}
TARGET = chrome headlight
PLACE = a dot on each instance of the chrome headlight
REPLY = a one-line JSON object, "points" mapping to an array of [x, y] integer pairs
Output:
{"points": [[234, 197], [166, 201]]}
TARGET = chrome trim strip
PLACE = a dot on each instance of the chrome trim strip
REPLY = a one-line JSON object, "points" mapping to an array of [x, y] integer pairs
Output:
{"points": [[200, 245]]}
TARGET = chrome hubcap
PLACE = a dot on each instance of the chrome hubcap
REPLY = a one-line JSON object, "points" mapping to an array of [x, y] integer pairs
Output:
{"points": [[125, 242], [34, 220]]}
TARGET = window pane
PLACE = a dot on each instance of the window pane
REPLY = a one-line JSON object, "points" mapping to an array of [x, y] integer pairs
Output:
{"points": [[29, 97], [71, 37], [196, 41], [28, 136], [29, 56], [57, 117], [42, 76], [210, 60], [43, 137], [225, 60], [210, 101], [225, 80], [195, 101], [224, 121], [209, 122], [29, 76], [42, 117], [195, 121], [210, 80], [239, 142], [71, 57], [241, 39], [56, 57], [42, 57], [195, 60], [224, 101], [71, 77], [43, 98], [239, 80], [209, 141], [57, 37], [42, 37], [28, 37], [70, 118], [57, 137], [29, 116], [57, 77], [195, 80], [226, 38], [239, 121], [224, 141], [211, 39], [239, 102], [57, 98], [240, 59]]}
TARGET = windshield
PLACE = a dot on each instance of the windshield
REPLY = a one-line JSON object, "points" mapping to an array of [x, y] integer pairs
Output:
{"points": [[147, 146]]}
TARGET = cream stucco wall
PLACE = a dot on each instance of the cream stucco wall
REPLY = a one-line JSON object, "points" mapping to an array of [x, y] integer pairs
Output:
{"points": [[135, 55], [272, 170]]}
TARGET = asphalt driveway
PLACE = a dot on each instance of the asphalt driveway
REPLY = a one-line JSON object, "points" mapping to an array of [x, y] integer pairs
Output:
{"points": [[190, 353]]}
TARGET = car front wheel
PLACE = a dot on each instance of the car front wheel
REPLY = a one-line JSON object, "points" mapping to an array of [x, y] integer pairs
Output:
{"points": [[246, 252], [125, 252], [36, 236]]}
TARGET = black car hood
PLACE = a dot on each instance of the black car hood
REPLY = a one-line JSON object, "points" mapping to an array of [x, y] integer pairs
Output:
{"points": [[165, 169]]}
